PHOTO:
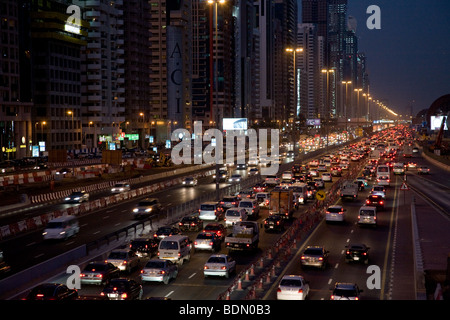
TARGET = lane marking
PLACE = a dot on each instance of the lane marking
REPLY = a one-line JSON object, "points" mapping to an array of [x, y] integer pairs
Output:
{"points": [[97, 232], [169, 294], [388, 245], [329, 281], [105, 217], [30, 244], [192, 275], [39, 255], [336, 266]]}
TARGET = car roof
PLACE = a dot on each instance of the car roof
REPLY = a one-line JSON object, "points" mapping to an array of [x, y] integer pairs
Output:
{"points": [[292, 276]]}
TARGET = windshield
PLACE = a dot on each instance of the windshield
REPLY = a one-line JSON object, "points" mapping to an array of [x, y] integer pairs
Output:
{"points": [[334, 210], [204, 236], [155, 264], [314, 251], [233, 213], [245, 204], [168, 245], [207, 207], [95, 267], [216, 260], [366, 213], [55, 225], [146, 203], [117, 255], [291, 283]]}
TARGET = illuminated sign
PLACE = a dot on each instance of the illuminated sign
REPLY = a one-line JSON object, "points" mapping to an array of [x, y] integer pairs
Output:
{"points": [[234, 123]]}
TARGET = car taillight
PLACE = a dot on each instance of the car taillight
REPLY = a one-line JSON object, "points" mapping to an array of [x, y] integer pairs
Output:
{"points": [[99, 276], [348, 252], [211, 243], [320, 258], [300, 290], [303, 258], [205, 267], [162, 272], [82, 275], [367, 201], [278, 290], [124, 296], [381, 202], [195, 242], [364, 253], [224, 268], [332, 297]]}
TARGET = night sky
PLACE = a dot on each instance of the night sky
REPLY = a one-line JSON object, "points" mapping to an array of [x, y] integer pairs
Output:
{"points": [[408, 59]]}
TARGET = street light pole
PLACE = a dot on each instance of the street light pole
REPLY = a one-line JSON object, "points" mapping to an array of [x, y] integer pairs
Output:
{"points": [[327, 113]]}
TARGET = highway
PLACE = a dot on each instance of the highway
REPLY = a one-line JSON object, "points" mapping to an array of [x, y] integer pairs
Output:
{"points": [[29, 249]]}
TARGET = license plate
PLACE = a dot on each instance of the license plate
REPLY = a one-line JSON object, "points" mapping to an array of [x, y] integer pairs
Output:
{"points": [[270, 227], [113, 295], [356, 258]]}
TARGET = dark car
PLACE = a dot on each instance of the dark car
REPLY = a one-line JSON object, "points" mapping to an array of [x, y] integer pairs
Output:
{"points": [[164, 232], [314, 256], [52, 291], [207, 241], [144, 247], [190, 223], [357, 253], [229, 202], [336, 171], [375, 201], [274, 222], [241, 166], [260, 187], [346, 291], [63, 171], [99, 272], [77, 196], [218, 228], [123, 289]]}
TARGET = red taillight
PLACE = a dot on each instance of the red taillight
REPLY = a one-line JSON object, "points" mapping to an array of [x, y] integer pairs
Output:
{"points": [[367, 201], [381, 202], [303, 258], [348, 252], [124, 296], [332, 298], [278, 290], [82, 275], [224, 268], [195, 243], [211, 243], [300, 291], [320, 258], [99, 276], [364, 253]]}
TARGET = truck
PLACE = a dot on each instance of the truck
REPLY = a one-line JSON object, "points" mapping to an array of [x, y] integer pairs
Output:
{"points": [[407, 151], [349, 190], [282, 202], [244, 236]]}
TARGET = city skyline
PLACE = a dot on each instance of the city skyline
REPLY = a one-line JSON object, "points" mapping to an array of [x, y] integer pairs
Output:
{"points": [[407, 57]]}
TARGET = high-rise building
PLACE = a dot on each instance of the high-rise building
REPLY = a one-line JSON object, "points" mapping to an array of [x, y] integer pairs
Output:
{"points": [[264, 64], [309, 66], [102, 70], [56, 65], [285, 33], [136, 16], [15, 84]]}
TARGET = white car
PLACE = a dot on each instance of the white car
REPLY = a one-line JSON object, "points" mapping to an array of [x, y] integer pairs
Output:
{"points": [[292, 287], [287, 175], [335, 213], [314, 163], [326, 177], [253, 171], [124, 259], [159, 270], [189, 182], [121, 187], [219, 265], [272, 180], [235, 178]]}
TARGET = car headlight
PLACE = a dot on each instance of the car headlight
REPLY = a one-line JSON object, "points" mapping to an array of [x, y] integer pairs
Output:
{"points": [[67, 199], [113, 189], [184, 182], [148, 210], [77, 198], [44, 233], [135, 210], [62, 232]]}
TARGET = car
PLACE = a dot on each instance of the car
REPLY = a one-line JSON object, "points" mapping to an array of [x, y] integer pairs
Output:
{"points": [[346, 291], [124, 259], [321, 168], [218, 228], [229, 201], [336, 171], [165, 231], [379, 188], [147, 207], [223, 175], [378, 193], [211, 210], [235, 178], [319, 182], [253, 171], [77, 196], [412, 165], [326, 177], [272, 180], [123, 289], [274, 222], [99, 272], [375, 201], [120, 187], [207, 241], [246, 194], [260, 187], [234, 215], [314, 172], [343, 165], [190, 223], [219, 265], [335, 213], [357, 252], [40, 166], [159, 270], [415, 150], [263, 198], [287, 175], [423, 170], [189, 182], [292, 287], [63, 171], [313, 163], [241, 166], [363, 180], [383, 181], [144, 246], [315, 256], [52, 291]]}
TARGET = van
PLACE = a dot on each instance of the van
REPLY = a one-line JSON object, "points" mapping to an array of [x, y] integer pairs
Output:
{"points": [[251, 206], [367, 216], [263, 199], [61, 228], [383, 171], [234, 215], [300, 192], [175, 248], [210, 211]]}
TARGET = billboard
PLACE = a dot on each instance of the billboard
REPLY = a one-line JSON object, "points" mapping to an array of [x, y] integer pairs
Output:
{"points": [[313, 122], [436, 121], [234, 124]]}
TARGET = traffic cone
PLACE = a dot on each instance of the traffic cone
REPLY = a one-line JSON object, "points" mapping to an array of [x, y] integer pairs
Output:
{"points": [[239, 286]]}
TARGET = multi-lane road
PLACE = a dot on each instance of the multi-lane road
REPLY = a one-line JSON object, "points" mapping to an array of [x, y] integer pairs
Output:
{"points": [[393, 223]]}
